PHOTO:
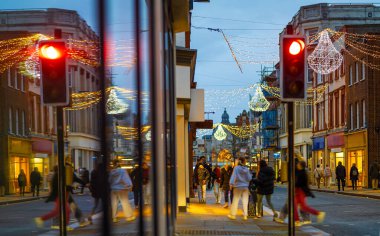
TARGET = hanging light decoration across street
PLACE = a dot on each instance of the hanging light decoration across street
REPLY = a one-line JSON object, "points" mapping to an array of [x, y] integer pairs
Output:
{"points": [[258, 102], [325, 58], [220, 134]]}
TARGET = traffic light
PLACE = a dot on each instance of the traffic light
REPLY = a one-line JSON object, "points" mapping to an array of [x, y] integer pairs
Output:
{"points": [[54, 87], [293, 67]]}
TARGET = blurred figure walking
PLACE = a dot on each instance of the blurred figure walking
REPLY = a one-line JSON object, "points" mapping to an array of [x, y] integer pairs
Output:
{"points": [[201, 177], [226, 173], [354, 176], [53, 196], [146, 183], [22, 182], [35, 180], [121, 184], [97, 185], [136, 181], [216, 183], [239, 182], [340, 173], [302, 191]]}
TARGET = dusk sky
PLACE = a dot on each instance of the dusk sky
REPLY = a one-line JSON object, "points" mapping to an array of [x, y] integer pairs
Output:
{"points": [[251, 26]]}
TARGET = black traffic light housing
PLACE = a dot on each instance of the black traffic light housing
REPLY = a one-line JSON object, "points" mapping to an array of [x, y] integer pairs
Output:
{"points": [[54, 89], [293, 68]]}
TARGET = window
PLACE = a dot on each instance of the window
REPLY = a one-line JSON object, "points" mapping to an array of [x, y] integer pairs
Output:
{"points": [[10, 123], [351, 118], [331, 114], [16, 80], [9, 77], [23, 122], [319, 79], [342, 68], [357, 115], [356, 72], [350, 75], [364, 114], [71, 76], [336, 106], [320, 116], [363, 70], [16, 121], [22, 82], [343, 108]]}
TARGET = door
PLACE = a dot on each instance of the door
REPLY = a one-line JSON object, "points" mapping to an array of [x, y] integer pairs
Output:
{"points": [[16, 165], [357, 158]]}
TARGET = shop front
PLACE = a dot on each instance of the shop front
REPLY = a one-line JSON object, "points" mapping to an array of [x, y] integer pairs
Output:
{"points": [[42, 159], [356, 153], [318, 152], [335, 148], [19, 153]]}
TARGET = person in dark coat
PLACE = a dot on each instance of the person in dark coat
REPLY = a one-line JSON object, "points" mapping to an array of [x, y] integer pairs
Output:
{"points": [[96, 187], [225, 176], [265, 187], [22, 182], [340, 173], [374, 175], [136, 185], [354, 176], [35, 180], [303, 191], [53, 196]]}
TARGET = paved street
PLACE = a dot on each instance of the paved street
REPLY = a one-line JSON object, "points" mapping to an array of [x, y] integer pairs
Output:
{"points": [[345, 215]]}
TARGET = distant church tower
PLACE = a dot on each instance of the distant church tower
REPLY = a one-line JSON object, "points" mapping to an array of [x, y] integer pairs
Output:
{"points": [[225, 117]]}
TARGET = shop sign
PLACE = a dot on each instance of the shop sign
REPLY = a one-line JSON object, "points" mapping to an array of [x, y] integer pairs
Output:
{"points": [[41, 155], [336, 149]]}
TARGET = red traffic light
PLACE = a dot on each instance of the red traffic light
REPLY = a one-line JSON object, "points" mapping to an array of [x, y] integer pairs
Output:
{"points": [[296, 47], [50, 52]]}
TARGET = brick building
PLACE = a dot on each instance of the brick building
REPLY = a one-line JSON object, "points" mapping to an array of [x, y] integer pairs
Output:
{"points": [[362, 136]]}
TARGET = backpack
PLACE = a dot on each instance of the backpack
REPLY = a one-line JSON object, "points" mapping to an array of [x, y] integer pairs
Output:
{"points": [[354, 172]]}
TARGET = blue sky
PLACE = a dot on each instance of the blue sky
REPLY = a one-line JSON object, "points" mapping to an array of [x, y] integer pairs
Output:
{"points": [[215, 69]]}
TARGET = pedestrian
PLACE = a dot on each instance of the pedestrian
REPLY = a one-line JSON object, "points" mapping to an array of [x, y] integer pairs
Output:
{"points": [[35, 180], [97, 185], [226, 173], [121, 185], [252, 203], [216, 184], [53, 196], [239, 183], [340, 173], [327, 175], [318, 174], [136, 181], [374, 174], [85, 177], [22, 182], [306, 218], [354, 176], [201, 177], [2, 183], [302, 191], [265, 182], [146, 183], [72, 178]]}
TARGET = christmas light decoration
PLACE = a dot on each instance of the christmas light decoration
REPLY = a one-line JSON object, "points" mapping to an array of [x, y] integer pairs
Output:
{"points": [[148, 136], [325, 58], [115, 105], [220, 134], [258, 102]]}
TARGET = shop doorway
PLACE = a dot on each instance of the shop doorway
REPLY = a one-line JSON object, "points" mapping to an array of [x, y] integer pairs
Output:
{"points": [[43, 167], [16, 165], [357, 158]]}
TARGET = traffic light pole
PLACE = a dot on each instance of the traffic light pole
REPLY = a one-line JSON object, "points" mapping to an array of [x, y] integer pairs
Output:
{"points": [[291, 170], [61, 161], [61, 172]]}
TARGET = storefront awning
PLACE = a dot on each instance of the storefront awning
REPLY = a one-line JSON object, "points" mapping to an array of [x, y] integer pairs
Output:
{"points": [[318, 143], [42, 146], [335, 140]]}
